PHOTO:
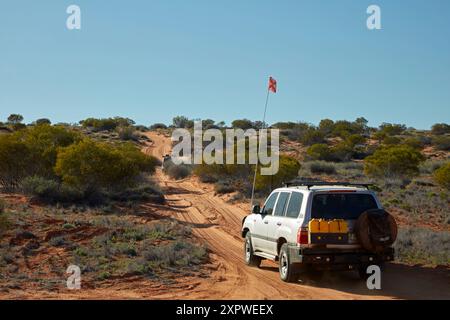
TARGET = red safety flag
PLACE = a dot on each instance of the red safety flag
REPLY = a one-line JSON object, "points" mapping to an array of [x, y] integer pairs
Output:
{"points": [[272, 85]]}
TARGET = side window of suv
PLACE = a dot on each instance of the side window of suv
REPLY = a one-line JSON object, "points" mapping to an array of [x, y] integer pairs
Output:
{"points": [[295, 204], [270, 204], [281, 204]]}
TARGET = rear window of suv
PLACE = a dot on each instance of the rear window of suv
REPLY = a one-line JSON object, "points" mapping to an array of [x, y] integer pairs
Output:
{"points": [[347, 206]]}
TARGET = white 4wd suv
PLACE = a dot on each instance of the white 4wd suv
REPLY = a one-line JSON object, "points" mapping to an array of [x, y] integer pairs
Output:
{"points": [[279, 231]]}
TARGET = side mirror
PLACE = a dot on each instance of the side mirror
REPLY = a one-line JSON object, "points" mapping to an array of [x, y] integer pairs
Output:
{"points": [[256, 209]]}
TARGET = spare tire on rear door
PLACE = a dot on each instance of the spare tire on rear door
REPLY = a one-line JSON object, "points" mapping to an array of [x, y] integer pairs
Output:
{"points": [[376, 230]]}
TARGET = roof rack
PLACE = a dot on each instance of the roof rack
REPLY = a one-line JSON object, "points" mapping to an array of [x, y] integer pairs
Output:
{"points": [[315, 183]]}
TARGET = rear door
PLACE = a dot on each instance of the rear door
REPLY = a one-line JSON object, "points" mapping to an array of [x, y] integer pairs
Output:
{"points": [[275, 221], [261, 221], [342, 205]]}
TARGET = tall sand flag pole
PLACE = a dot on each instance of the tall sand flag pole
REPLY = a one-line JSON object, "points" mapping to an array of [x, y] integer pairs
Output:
{"points": [[272, 88]]}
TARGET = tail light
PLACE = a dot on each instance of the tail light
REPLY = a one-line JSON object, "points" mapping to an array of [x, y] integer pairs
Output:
{"points": [[302, 236]]}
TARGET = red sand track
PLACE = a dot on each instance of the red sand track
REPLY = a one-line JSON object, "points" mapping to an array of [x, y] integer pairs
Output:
{"points": [[218, 223]]}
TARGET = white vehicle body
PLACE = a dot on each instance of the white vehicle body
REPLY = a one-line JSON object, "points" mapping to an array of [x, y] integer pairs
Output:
{"points": [[269, 231]]}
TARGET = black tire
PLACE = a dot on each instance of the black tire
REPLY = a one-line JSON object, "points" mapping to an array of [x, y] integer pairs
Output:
{"points": [[362, 272], [315, 275], [249, 257], [286, 268]]}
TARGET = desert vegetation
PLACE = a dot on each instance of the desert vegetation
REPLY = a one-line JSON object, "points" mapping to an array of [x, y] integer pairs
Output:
{"points": [[409, 169], [75, 194], [60, 164]]}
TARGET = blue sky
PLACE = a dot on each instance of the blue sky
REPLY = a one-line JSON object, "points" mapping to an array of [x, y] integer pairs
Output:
{"points": [[153, 59]]}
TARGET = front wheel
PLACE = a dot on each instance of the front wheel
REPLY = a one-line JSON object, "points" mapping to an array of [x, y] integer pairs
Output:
{"points": [[250, 258], [286, 268]]}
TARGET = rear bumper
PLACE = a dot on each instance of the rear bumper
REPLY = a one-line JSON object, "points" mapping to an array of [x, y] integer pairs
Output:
{"points": [[338, 259]]}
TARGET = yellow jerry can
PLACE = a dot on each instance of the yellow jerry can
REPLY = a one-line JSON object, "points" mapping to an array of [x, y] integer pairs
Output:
{"points": [[323, 226], [334, 226], [314, 226], [343, 226]]}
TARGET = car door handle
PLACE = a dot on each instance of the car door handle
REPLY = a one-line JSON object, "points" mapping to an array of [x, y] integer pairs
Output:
{"points": [[279, 224], [266, 222]]}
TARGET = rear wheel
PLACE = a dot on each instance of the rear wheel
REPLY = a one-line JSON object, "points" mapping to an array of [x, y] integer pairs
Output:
{"points": [[362, 272], [250, 258], [286, 268]]}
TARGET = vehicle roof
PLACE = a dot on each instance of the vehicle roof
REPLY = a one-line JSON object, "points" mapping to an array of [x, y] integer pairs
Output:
{"points": [[324, 188]]}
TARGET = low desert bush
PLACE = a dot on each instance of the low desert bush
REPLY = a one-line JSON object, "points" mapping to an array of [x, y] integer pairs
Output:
{"points": [[127, 134], [430, 166], [418, 245], [107, 124], [322, 167], [143, 192], [177, 172], [51, 191], [442, 142], [440, 129], [442, 176], [179, 253], [224, 188], [393, 161], [157, 126], [415, 142], [320, 152], [312, 136]]}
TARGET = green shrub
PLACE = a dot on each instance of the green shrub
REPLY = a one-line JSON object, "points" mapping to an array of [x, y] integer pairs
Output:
{"points": [[430, 166], [415, 142], [44, 142], [393, 161], [392, 129], [288, 170], [93, 165], [17, 161], [320, 167], [320, 152], [284, 125], [144, 192], [4, 222], [15, 118], [312, 136], [442, 143], [442, 176], [343, 128], [224, 188], [390, 140], [178, 172], [243, 124], [326, 126], [157, 126], [182, 122], [179, 253], [107, 124], [43, 121], [127, 134], [342, 152], [51, 191], [440, 129], [2, 206]]}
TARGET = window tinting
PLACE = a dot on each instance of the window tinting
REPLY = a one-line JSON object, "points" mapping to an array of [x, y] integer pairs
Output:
{"points": [[270, 203], [295, 204], [281, 204], [341, 206]]}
